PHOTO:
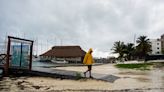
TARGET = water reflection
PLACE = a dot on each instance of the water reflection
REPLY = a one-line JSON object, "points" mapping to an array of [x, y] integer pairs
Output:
{"points": [[43, 64]]}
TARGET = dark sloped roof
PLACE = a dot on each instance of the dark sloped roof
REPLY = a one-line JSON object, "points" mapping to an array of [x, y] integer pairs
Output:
{"points": [[65, 51]]}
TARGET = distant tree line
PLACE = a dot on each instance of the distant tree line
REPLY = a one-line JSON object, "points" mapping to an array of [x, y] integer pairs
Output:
{"points": [[130, 52]]}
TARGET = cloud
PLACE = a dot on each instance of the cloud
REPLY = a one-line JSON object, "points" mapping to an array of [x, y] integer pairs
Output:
{"points": [[100, 54], [88, 23]]}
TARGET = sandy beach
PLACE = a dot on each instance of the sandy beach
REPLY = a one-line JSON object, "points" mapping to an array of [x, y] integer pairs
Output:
{"points": [[129, 81], [42, 84]]}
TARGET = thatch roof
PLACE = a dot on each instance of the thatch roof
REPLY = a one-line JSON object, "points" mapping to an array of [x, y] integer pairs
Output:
{"points": [[65, 51]]}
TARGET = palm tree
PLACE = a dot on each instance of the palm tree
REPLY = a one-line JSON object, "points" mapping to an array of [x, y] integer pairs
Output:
{"points": [[129, 50], [119, 47], [143, 47]]}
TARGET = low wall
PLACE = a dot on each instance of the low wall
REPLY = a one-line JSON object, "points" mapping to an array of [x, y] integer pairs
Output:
{"points": [[154, 57]]}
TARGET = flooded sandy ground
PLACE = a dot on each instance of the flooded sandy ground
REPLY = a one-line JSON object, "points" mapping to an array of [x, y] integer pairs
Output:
{"points": [[129, 81], [42, 84]]}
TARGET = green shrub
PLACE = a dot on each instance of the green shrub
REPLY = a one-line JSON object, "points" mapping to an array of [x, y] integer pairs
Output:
{"points": [[143, 66], [78, 76]]}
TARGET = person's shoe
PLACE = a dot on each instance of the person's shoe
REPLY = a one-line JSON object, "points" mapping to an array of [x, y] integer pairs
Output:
{"points": [[91, 77], [84, 74]]}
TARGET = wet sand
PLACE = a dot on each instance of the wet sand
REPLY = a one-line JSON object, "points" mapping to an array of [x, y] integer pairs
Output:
{"points": [[42, 84], [129, 81]]}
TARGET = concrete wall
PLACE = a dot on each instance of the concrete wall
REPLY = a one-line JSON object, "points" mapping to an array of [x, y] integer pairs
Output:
{"points": [[69, 59], [72, 60]]}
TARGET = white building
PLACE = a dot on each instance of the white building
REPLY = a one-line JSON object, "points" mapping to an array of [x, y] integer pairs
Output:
{"points": [[155, 46], [162, 43]]}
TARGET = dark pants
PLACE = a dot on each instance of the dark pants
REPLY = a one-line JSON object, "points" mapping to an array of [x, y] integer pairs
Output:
{"points": [[89, 67], [89, 70]]}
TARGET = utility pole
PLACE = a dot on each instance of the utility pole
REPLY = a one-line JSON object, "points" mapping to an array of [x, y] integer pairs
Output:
{"points": [[37, 45], [47, 45], [55, 41], [134, 39], [61, 42]]}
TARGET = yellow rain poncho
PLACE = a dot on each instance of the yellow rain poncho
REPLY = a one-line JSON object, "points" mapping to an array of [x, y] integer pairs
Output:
{"points": [[88, 59]]}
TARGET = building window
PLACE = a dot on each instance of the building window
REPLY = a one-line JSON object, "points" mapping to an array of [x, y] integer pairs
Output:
{"points": [[157, 48], [157, 52], [157, 43]]}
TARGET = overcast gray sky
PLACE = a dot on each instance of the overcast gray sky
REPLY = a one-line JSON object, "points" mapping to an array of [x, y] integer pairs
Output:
{"points": [[88, 23]]}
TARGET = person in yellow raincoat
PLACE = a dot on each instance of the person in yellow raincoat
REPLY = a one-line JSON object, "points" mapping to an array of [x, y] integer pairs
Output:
{"points": [[88, 60]]}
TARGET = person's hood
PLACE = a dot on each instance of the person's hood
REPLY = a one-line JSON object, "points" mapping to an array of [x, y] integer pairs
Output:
{"points": [[90, 50]]}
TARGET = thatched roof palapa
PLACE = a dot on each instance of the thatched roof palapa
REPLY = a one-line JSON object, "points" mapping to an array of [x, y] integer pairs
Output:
{"points": [[65, 51]]}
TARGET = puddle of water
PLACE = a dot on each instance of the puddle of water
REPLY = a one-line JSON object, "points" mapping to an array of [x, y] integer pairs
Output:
{"points": [[163, 78], [157, 80], [142, 79], [153, 79], [133, 73]]}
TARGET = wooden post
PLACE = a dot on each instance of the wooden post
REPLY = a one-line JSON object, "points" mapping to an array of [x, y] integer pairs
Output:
{"points": [[31, 48], [20, 63], [8, 57]]}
